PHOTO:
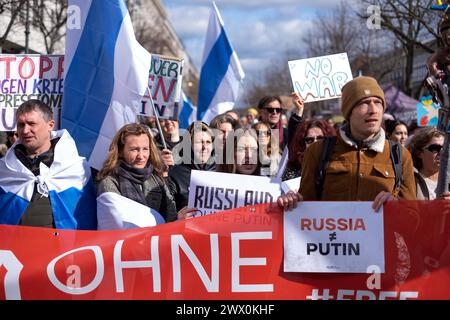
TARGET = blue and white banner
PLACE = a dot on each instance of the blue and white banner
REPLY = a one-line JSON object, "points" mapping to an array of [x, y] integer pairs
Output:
{"points": [[67, 182], [116, 212], [188, 113], [221, 72], [106, 75]]}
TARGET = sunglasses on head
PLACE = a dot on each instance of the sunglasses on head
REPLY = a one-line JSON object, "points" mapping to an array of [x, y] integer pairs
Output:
{"points": [[272, 110], [309, 140], [434, 148]]}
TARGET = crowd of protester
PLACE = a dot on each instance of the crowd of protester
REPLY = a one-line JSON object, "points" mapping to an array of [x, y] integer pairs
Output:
{"points": [[150, 171]]}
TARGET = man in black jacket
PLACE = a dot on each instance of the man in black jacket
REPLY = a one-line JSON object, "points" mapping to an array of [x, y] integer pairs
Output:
{"points": [[270, 113]]}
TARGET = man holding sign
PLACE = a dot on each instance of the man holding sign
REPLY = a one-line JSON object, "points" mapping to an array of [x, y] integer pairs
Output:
{"points": [[360, 165]]}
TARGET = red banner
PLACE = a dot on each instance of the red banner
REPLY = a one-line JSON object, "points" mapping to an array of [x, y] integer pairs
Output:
{"points": [[235, 254]]}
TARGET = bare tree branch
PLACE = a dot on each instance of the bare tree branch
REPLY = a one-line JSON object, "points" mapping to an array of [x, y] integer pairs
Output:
{"points": [[411, 23], [15, 7], [51, 17]]}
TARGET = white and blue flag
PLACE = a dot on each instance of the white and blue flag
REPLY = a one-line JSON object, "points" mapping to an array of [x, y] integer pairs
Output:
{"points": [[188, 113], [106, 75], [67, 182], [116, 212], [221, 72]]}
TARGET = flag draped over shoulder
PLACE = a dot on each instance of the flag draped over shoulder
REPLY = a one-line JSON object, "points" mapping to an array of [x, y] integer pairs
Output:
{"points": [[115, 212], [106, 76], [221, 72], [67, 182], [188, 112]]}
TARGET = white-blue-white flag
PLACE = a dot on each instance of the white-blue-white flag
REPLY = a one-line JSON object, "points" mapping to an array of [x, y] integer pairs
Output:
{"points": [[67, 183], [188, 113], [221, 72], [106, 75], [116, 212]]}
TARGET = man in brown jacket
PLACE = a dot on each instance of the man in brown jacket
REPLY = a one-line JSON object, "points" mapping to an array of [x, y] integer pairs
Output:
{"points": [[360, 166]]}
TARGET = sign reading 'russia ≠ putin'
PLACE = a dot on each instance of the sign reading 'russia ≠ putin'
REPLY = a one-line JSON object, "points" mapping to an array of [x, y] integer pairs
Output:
{"points": [[333, 237]]}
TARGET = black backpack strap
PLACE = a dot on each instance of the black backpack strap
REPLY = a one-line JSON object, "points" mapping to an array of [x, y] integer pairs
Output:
{"points": [[327, 149], [396, 157]]}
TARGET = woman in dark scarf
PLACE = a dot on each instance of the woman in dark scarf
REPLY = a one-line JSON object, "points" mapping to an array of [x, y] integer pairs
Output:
{"points": [[198, 139], [131, 191]]}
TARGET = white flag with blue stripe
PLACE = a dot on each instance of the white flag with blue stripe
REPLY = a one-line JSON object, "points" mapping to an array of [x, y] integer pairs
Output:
{"points": [[106, 76], [188, 113], [116, 212], [67, 183], [221, 72]]}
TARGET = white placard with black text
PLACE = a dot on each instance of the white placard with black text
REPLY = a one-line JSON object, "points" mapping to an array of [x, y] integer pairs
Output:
{"points": [[211, 192], [333, 237]]}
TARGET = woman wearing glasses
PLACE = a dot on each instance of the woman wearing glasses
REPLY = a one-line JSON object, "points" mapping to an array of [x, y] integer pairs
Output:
{"points": [[306, 134], [425, 147], [270, 113], [131, 191]]}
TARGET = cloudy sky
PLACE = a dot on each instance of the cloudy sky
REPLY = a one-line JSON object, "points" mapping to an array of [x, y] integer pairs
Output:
{"points": [[258, 30]]}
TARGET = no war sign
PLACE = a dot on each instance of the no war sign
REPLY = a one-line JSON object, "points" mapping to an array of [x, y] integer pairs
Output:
{"points": [[320, 78], [26, 77]]}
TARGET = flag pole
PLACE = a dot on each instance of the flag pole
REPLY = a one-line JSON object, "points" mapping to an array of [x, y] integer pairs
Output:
{"points": [[155, 112], [245, 93]]}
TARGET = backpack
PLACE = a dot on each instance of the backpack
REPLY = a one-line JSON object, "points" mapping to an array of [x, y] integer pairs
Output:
{"points": [[327, 150]]}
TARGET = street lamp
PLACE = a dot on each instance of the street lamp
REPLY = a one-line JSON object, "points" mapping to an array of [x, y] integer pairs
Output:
{"points": [[27, 26]]}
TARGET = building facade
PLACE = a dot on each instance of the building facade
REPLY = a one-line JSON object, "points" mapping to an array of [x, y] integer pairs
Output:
{"points": [[46, 31]]}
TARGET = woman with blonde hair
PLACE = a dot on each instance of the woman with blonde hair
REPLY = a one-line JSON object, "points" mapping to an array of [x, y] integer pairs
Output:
{"points": [[131, 191], [269, 152]]}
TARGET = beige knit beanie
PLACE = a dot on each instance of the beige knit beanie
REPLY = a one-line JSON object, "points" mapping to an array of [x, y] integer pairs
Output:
{"points": [[358, 89]]}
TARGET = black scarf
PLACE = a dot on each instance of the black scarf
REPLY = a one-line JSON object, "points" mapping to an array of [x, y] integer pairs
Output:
{"points": [[131, 181], [33, 163]]}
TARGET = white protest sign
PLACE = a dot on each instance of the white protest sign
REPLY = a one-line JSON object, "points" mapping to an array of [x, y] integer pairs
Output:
{"points": [[215, 191], [291, 185], [333, 237], [320, 78], [25, 77], [164, 81]]}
